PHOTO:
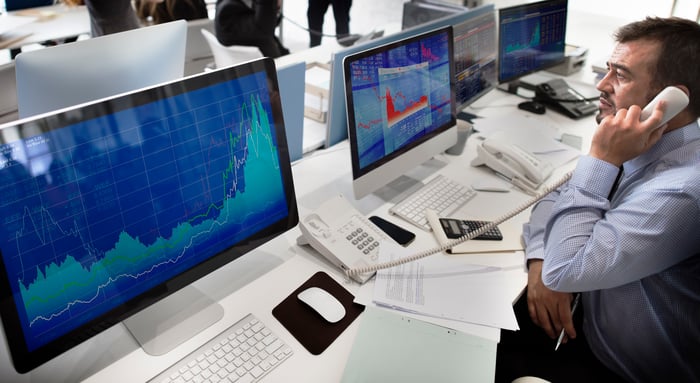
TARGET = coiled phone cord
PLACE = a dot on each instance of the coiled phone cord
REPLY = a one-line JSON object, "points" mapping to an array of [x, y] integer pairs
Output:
{"points": [[472, 234]]}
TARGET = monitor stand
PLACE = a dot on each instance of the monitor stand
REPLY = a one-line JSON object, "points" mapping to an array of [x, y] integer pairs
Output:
{"points": [[166, 324]]}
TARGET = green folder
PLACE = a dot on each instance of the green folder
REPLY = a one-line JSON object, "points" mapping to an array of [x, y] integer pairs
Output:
{"points": [[394, 348]]}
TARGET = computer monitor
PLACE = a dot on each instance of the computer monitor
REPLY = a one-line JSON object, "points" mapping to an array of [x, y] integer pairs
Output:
{"points": [[417, 12], [86, 70], [15, 5], [532, 37], [475, 46], [337, 129], [111, 206], [401, 109]]}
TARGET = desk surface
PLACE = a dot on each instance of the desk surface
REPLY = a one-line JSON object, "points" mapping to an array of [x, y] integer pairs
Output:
{"points": [[258, 281], [54, 22]]}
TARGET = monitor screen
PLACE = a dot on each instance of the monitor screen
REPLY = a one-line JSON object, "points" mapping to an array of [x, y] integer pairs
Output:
{"points": [[401, 108], [476, 49], [111, 206], [531, 38], [86, 70], [337, 114]]}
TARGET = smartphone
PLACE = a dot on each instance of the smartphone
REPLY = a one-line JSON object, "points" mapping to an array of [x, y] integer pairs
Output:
{"points": [[402, 236]]}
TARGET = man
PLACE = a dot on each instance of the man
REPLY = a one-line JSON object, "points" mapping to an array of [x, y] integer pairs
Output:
{"points": [[316, 13], [109, 16], [631, 246], [249, 23]]}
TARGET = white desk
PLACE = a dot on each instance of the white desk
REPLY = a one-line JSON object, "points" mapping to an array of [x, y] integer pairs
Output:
{"points": [[54, 22]]}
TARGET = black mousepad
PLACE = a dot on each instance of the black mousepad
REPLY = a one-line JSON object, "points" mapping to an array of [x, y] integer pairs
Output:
{"points": [[308, 326]]}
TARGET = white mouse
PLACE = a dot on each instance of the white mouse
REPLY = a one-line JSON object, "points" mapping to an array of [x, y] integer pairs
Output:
{"points": [[323, 303]]}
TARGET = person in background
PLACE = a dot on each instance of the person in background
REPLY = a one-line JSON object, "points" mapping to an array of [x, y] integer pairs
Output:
{"points": [[163, 11], [250, 23], [316, 13], [623, 231], [109, 16]]}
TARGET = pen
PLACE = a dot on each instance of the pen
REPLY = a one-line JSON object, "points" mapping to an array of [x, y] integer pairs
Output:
{"points": [[563, 331]]}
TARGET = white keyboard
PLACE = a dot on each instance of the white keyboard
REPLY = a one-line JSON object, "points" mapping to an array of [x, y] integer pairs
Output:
{"points": [[441, 194], [244, 352]]}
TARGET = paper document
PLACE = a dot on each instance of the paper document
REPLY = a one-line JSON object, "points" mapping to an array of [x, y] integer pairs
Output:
{"points": [[445, 287]]}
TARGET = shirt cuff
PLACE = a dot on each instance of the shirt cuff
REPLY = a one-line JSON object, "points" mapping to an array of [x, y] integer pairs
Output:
{"points": [[594, 175]]}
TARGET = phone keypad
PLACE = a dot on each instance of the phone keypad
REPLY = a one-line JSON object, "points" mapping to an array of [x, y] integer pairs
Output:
{"points": [[360, 237]]}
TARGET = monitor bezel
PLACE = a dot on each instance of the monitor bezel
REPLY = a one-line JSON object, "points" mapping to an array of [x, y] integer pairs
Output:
{"points": [[372, 177], [525, 8], [25, 360]]}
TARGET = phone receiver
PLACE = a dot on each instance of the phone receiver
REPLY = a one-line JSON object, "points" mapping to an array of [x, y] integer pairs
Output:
{"points": [[675, 99]]}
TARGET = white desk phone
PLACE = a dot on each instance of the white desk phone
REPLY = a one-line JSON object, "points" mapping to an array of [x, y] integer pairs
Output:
{"points": [[351, 242], [521, 167]]}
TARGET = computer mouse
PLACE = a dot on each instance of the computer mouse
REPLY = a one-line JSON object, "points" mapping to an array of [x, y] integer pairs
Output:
{"points": [[533, 107], [323, 303]]}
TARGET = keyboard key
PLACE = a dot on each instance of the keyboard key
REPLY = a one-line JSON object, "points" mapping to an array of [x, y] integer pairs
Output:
{"points": [[441, 194], [244, 352]]}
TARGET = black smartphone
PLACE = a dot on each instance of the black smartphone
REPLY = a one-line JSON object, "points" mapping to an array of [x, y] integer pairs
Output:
{"points": [[402, 236], [455, 228]]}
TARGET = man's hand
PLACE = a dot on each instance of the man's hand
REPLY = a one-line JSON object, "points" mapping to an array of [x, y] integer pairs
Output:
{"points": [[548, 309], [622, 136]]}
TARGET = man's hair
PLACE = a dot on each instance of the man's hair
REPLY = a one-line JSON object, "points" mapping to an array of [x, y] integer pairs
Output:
{"points": [[679, 42]]}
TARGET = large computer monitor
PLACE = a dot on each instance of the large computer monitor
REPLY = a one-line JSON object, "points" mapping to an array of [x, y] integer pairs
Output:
{"points": [[337, 129], [86, 70], [111, 206], [532, 37], [401, 109]]}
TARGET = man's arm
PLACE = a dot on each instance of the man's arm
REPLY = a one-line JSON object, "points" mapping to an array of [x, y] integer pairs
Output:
{"points": [[548, 309]]}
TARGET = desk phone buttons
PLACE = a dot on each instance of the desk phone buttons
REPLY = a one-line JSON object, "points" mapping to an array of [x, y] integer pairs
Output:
{"points": [[456, 228]]}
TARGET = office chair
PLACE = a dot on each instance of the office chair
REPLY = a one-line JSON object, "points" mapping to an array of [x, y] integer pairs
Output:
{"points": [[198, 54], [226, 56]]}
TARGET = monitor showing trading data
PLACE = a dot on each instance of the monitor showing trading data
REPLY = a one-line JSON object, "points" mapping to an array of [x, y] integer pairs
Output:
{"points": [[110, 207], [475, 48], [531, 38], [401, 108], [337, 113]]}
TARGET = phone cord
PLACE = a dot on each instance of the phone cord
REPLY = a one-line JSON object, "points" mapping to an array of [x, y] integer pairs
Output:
{"points": [[472, 234]]}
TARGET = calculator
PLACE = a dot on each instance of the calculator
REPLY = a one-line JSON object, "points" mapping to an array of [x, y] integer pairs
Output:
{"points": [[456, 228]]}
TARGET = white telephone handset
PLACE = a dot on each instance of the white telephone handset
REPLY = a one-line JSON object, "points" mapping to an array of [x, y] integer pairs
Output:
{"points": [[675, 100], [343, 235], [515, 163]]}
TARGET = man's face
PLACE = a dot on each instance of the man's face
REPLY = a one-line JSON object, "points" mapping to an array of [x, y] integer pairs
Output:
{"points": [[628, 81]]}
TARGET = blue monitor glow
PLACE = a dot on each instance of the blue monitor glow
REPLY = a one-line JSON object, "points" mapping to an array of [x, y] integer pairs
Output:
{"points": [[86, 70], [532, 37], [401, 109], [337, 129], [111, 206]]}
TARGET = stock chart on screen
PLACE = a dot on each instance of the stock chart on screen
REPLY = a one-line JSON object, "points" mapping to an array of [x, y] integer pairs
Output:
{"points": [[99, 211], [400, 95]]}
